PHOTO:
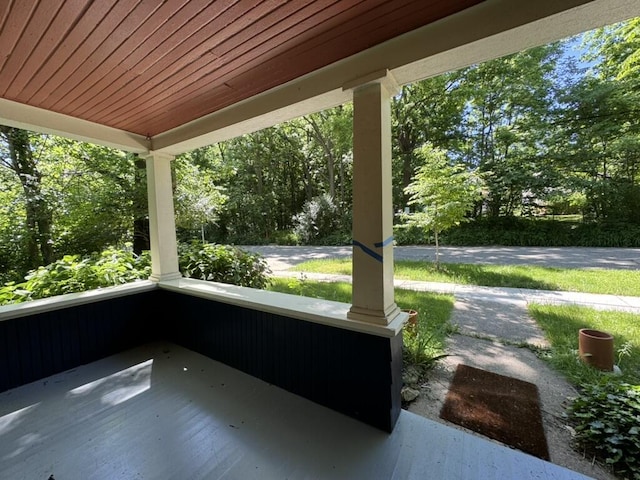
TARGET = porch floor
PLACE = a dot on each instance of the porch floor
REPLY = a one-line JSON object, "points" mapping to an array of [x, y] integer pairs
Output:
{"points": [[163, 412]]}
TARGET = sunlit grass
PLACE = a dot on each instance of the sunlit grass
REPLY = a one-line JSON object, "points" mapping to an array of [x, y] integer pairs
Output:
{"points": [[561, 325], [612, 282]]}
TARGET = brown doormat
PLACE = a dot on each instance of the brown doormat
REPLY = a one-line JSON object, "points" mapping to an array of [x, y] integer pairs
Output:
{"points": [[502, 408]]}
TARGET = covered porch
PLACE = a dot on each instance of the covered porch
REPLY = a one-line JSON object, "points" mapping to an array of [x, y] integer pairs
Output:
{"points": [[316, 383], [219, 397]]}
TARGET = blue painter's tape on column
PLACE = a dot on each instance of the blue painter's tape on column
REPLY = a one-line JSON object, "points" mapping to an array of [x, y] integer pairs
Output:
{"points": [[385, 243], [370, 252]]}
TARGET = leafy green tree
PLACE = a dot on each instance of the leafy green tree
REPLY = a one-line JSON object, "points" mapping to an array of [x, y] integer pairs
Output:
{"points": [[599, 127], [329, 138], [443, 193], [506, 125], [427, 111], [97, 195], [198, 197], [18, 155]]}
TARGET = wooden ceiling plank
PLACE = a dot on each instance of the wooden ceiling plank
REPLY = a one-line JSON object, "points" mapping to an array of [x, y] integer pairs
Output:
{"points": [[301, 56], [118, 88], [118, 65], [192, 99], [62, 54], [26, 23], [15, 19], [185, 60], [108, 41], [141, 22], [60, 26], [84, 54], [160, 92]]}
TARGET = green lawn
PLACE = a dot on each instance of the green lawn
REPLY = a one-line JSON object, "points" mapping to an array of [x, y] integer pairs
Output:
{"points": [[612, 282], [561, 324]]}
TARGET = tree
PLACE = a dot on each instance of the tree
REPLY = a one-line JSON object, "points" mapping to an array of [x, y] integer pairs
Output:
{"points": [[18, 156], [599, 130], [506, 124], [444, 193], [427, 111]]}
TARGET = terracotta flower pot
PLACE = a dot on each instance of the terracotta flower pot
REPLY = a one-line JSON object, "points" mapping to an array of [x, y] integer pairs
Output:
{"points": [[596, 348], [413, 318]]}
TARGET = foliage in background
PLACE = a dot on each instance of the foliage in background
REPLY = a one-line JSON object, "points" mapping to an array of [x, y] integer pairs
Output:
{"points": [[322, 222], [443, 194], [531, 232], [606, 418], [198, 197], [73, 273]]}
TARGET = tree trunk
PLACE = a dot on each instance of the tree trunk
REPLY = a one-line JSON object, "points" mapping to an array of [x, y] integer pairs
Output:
{"points": [[141, 239], [38, 213]]}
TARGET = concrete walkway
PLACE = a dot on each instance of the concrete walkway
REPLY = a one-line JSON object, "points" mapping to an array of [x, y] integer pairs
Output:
{"points": [[282, 258], [517, 297]]}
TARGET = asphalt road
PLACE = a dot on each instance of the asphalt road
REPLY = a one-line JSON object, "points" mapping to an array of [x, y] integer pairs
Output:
{"points": [[283, 257]]}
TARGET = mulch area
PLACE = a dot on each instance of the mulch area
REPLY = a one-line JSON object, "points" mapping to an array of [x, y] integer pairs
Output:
{"points": [[503, 408]]}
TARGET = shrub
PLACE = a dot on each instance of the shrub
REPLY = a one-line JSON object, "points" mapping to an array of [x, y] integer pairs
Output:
{"points": [[322, 223], [73, 273], [607, 424], [526, 232], [223, 263]]}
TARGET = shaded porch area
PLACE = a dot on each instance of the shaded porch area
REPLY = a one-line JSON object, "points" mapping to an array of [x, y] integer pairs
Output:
{"points": [[161, 411], [225, 382]]}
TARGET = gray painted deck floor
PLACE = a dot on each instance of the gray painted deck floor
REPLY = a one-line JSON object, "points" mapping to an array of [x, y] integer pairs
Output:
{"points": [[163, 412]]}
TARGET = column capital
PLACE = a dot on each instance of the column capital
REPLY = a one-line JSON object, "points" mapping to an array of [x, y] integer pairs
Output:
{"points": [[379, 77], [157, 155]]}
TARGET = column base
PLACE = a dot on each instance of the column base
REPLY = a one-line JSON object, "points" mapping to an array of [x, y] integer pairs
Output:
{"points": [[377, 317], [165, 277]]}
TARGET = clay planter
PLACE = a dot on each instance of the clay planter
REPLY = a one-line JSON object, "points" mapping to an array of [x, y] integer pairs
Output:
{"points": [[413, 318], [596, 348]]}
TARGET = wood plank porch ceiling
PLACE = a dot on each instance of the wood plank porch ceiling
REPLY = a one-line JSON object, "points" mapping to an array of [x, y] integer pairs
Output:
{"points": [[148, 66]]}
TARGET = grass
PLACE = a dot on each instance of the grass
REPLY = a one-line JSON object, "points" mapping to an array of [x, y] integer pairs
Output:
{"points": [[561, 324], [423, 344], [611, 282]]}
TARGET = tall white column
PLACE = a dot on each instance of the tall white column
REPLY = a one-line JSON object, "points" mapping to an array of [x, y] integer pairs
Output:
{"points": [[373, 292], [162, 224]]}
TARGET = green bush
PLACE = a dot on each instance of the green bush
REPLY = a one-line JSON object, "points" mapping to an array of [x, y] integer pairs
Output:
{"points": [[530, 232], [73, 273], [607, 423], [322, 222], [411, 235], [223, 263]]}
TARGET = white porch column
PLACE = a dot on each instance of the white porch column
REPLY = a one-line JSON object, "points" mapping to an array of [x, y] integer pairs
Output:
{"points": [[373, 292], [162, 225]]}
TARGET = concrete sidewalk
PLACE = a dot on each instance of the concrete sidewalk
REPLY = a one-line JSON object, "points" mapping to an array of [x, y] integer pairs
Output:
{"points": [[501, 295]]}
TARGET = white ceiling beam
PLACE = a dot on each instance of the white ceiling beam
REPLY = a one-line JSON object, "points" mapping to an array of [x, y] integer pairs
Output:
{"points": [[26, 117]]}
